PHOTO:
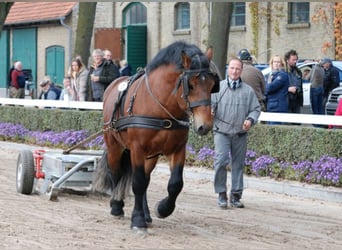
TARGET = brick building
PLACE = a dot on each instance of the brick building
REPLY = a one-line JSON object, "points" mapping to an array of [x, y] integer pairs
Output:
{"points": [[42, 34]]}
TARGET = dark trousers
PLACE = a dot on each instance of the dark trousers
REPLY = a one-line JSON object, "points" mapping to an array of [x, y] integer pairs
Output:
{"points": [[316, 99], [294, 107]]}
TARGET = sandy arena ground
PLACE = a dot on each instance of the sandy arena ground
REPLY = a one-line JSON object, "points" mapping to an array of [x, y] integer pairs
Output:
{"points": [[269, 221]]}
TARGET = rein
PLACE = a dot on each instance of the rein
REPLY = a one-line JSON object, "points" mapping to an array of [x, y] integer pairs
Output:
{"points": [[139, 121], [183, 123]]}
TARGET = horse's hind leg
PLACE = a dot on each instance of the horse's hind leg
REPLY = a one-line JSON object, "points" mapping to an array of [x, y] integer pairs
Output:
{"points": [[117, 207], [122, 184]]}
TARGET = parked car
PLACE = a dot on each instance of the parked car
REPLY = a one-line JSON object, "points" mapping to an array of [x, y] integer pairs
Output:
{"points": [[261, 66], [334, 96]]}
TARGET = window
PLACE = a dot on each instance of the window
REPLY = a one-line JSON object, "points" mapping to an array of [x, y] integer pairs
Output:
{"points": [[182, 16], [135, 13], [239, 14], [298, 12]]}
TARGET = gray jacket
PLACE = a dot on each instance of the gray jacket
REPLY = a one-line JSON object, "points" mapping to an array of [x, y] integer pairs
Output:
{"points": [[232, 107]]}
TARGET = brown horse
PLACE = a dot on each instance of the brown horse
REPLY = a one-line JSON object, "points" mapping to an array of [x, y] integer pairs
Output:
{"points": [[147, 115]]}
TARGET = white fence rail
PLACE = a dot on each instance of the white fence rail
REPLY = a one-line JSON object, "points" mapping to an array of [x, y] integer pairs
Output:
{"points": [[265, 116]]}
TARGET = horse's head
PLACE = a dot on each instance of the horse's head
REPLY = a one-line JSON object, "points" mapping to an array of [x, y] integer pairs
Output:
{"points": [[198, 82]]}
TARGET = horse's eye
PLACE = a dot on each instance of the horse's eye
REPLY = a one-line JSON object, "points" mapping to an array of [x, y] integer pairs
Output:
{"points": [[190, 87]]}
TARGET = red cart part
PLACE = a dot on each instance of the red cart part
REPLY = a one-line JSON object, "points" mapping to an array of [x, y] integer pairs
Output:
{"points": [[38, 157]]}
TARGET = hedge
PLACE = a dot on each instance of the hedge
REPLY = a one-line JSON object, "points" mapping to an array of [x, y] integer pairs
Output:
{"points": [[288, 143]]}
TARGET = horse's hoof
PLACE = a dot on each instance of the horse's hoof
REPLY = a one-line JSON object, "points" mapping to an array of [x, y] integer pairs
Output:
{"points": [[140, 231], [156, 211], [163, 210], [148, 219], [117, 213]]}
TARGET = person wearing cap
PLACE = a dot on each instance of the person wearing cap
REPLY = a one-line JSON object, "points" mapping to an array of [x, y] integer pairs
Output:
{"points": [[331, 79], [49, 91], [253, 77]]}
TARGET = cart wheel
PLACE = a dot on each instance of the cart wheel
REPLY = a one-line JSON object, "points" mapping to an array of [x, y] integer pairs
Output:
{"points": [[25, 172]]}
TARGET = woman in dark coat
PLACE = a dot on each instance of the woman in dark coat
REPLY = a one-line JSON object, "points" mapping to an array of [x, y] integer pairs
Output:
{"points": [[277, 87]]}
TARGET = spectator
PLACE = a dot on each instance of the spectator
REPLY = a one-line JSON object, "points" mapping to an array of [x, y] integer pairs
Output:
{"points": [[9, 76], [236, 109], [337, 112], [316, 89], [78, 57], [101, 74], [116, 61], [277, 87], [108, 56], [68, 92], [125, 68], [17, 87], [331, 79], [253, 77], [49, 90], [306, 74], [295, 90], [79, 76]]}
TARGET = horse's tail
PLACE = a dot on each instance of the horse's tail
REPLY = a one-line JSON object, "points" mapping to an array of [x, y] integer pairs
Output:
{"points": [[118, 182]]}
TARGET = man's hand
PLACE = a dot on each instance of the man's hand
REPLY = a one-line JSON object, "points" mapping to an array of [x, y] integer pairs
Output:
{"points": [[247, 124]]}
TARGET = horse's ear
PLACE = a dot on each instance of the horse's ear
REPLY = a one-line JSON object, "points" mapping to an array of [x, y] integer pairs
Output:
{"points": [[209, 52], [186, 60]]}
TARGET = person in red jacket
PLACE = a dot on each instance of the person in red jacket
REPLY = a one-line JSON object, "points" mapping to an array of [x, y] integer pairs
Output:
{"points": [[337, 112], [17, 88]]}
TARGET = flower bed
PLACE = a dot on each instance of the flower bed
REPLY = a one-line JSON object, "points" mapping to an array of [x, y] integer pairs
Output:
{"points": [[325, 171]]}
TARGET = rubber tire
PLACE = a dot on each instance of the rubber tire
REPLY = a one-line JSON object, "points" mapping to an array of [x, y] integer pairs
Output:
{"points": [[25, 172]]}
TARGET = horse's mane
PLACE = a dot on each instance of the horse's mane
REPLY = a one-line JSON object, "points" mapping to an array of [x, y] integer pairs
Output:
{"points": [[172, 55]]}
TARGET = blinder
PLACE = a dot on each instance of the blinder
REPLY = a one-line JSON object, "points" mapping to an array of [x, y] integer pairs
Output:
{"points": [[216, 87]]}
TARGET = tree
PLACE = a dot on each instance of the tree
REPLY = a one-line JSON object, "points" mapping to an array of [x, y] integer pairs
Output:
{"points": [[84, 31], [4, 10], [219, 33]]}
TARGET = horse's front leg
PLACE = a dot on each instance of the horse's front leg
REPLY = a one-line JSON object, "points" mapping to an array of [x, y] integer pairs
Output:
{"points": [[166, 206], [140, 184], [147, 215]]}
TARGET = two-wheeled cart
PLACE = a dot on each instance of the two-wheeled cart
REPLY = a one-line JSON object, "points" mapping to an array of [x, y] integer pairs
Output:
{"points": [[50, 172]]}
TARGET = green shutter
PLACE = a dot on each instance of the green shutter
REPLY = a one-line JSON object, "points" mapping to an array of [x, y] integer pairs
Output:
{"points": [[136, 46], [5, 63], [55, 63]]}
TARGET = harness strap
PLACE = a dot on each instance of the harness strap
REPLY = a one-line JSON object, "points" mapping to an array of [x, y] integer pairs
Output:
{"points": [[136, 121], [206, 102]]}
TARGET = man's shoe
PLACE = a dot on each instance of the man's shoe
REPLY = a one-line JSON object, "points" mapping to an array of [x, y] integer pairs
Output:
{"points": [[236, 203], [222, 200]]}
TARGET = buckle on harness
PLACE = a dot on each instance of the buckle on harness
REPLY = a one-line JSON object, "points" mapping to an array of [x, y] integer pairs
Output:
{"points": [[167, 123]]}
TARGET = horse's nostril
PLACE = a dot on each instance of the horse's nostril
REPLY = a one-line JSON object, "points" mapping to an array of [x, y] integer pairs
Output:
{"points": [[202, 130]]}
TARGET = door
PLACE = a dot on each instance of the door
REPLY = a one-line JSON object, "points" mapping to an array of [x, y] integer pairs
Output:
{"points": [[55, 64], [24, 49], [5, 63], [136, 49], [109, 38]]}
